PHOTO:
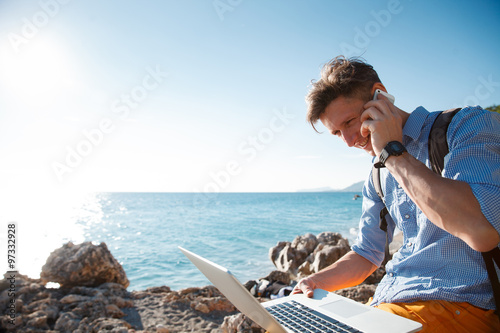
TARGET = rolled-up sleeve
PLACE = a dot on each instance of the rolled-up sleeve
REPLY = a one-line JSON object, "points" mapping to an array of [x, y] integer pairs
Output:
{"points": [[474, 157]]}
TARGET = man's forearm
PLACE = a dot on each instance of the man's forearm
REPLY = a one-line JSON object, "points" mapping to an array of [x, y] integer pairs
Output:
{"points": [[348, 271], [449, 204]]}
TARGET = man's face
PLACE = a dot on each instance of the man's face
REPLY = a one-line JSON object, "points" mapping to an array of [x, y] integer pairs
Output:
{"points": [[342, 118]]}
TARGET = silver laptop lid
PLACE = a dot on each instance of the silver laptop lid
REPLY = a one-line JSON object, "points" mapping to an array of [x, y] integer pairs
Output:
{"points": [[235, 292]]}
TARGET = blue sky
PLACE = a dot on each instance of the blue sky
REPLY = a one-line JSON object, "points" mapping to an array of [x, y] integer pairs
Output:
{"points": [[209, 95]]}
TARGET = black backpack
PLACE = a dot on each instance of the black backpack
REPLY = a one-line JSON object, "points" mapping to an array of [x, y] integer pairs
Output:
{"points": [[438, 148]]}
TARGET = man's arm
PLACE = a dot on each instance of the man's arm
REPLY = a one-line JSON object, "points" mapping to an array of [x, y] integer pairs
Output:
{"points": [[348, 271], [449, 204]]}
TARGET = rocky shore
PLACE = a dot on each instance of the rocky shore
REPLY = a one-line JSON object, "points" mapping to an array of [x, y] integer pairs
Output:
{"points": [[92, 296]]}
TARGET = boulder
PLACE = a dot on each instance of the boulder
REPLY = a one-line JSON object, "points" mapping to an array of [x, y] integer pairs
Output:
{"points": [[361, 293], [308, 254], [283, 257], [209, 304], [239, 323], [324, 255], [287, 257], [84, 264], [279, 276], [306, 243]]}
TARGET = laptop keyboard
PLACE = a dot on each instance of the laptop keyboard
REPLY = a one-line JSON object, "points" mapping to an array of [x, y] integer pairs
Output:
{"points": [[300, 318]]}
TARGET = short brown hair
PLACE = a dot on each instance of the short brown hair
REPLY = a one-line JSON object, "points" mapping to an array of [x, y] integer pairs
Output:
{"points": [[351, 77]]}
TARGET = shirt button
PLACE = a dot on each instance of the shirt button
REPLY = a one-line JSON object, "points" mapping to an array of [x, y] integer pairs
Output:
{"points": [[391, 274], [407, 216], [410, 243]]}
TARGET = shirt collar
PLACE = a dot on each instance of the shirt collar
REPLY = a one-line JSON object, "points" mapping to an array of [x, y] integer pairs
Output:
{"points": [[415, 122]]}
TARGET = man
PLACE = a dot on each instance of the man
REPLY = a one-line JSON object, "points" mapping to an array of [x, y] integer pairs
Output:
{"points": [[438, 277]]}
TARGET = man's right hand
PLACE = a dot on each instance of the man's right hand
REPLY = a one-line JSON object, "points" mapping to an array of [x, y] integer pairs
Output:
{"points": [[305, 286]]}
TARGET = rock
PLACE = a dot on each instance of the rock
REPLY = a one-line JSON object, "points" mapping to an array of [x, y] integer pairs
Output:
{"points": [[331, 238], [189, 291], [397, 242], [158, 290], [11, 323], [37, 320], [113, 289], [114, 311], [38, 309], [239, 323], [49, 306], [83, 265], [279, 276], [308, 254], [361, 293], [187, 310], [324, 257], [74, 299], [102, 325], [307, 243], [162, 329], [282, 256], [200, 306], [376, 276], [209, 304], [67, 322], [286, 257]]}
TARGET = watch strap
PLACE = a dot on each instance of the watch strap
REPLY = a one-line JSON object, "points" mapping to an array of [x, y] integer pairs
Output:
{"points": [[387, 152]]}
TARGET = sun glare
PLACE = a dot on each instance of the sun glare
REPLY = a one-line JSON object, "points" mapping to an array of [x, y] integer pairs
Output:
{"points": [[38, 73]]}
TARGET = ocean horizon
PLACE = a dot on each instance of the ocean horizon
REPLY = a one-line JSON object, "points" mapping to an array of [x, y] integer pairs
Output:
{"points": [[236, 230]]}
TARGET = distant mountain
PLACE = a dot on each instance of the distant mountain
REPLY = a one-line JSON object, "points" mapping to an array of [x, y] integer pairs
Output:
{"points": [[319, 189], [356, 187]]}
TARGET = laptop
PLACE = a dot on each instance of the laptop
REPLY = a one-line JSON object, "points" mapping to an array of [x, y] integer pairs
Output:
{"points": [[325, 312]]}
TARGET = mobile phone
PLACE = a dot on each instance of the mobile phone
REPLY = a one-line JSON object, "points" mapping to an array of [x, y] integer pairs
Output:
{"points": [[389, 96]]}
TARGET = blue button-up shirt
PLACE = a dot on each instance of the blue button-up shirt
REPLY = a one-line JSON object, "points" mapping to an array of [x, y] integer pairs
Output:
{"points": [[433, 264]]}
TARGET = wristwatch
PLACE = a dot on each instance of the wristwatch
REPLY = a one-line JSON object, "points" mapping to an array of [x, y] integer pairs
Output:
{"points": [[393, 148]]}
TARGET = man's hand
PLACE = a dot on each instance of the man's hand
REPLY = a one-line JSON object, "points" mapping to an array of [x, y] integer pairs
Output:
{"points": [[383, 122], [305, 286], [348, 271]]}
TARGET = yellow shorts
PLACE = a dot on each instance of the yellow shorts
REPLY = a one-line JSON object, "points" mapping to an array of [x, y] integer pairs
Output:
{"points": [[442, 316]]}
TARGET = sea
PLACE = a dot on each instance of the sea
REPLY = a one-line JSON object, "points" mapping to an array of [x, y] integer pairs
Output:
{"points": [[235, 230]]}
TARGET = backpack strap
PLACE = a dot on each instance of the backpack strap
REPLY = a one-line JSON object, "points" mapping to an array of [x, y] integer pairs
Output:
{"points": [[437, 144], [382, 222], [376, 182]]}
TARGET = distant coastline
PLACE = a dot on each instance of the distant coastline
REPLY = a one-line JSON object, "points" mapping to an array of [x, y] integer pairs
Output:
{"points": [[356, 187]]}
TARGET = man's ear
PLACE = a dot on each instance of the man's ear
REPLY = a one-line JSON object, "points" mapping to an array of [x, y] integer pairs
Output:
{"points": [[376, 86]]}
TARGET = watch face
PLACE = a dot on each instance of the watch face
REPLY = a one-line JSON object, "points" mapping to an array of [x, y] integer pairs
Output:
{"points": [[396, 147]]}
